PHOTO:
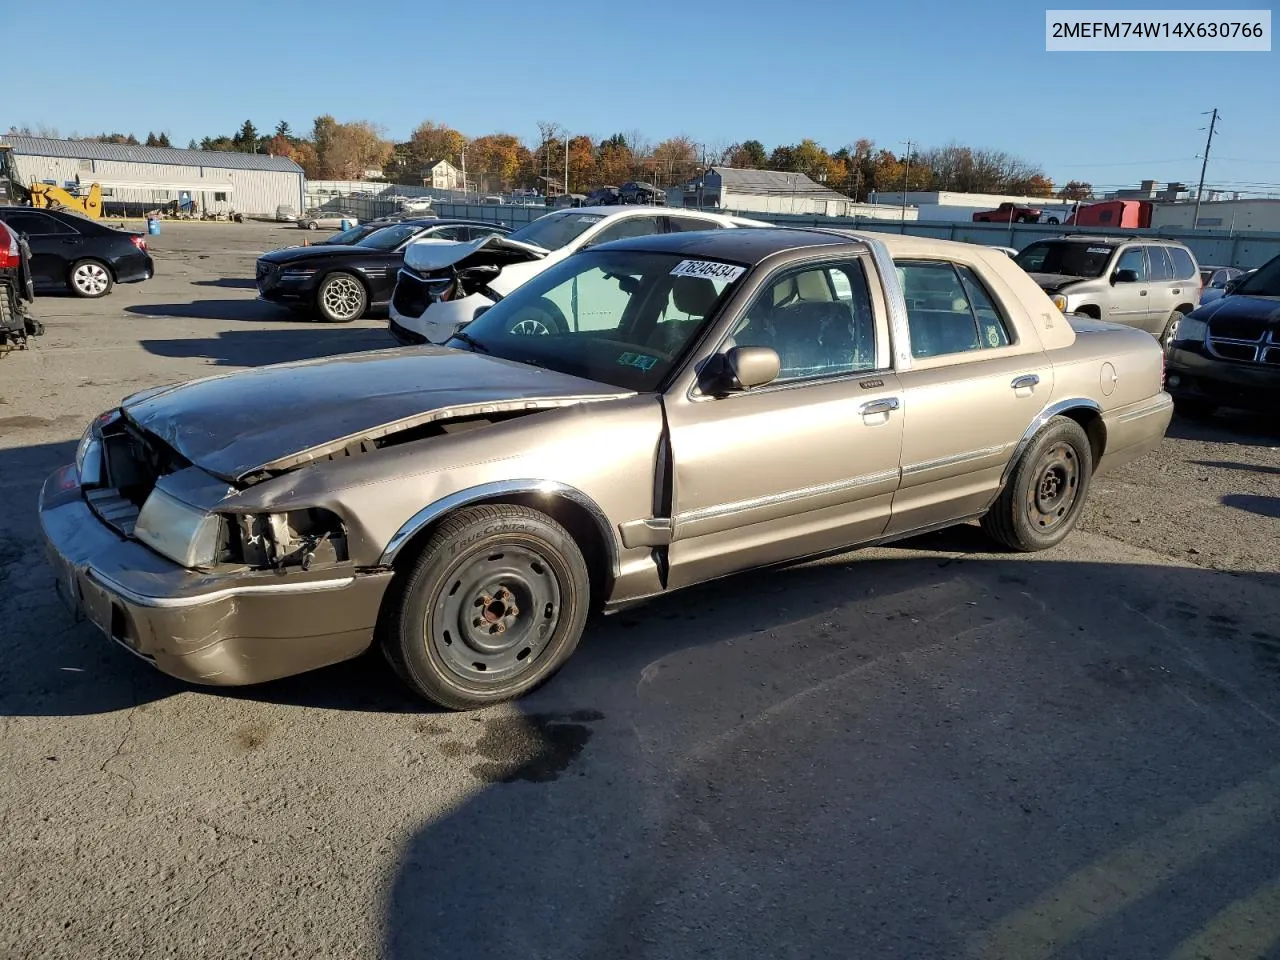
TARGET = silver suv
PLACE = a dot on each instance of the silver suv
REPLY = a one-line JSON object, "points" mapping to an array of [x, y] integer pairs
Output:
{"points": [[1145, 283]]}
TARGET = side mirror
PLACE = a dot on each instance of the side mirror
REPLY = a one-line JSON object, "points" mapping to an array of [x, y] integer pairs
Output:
{"points": [[1125, 276], [746, 367], [1230, 286]]}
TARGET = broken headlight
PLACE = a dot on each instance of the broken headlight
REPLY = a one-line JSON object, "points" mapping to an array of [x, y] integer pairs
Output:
{"points": [[185, 534], [89, 457], [299, 538]]}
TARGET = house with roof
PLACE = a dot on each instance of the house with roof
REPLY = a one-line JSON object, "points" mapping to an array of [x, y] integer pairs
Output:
{"points": [[441, 175], [760, 191]]}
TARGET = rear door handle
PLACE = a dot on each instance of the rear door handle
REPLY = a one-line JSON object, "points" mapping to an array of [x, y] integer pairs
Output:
{"points": [[1025, 381], [887, 405]]}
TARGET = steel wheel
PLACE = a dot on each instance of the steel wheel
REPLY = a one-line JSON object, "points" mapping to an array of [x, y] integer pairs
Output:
{"points": [[493, 605], [90, 279], [1053, 493], [342, 298], [497, 614]]}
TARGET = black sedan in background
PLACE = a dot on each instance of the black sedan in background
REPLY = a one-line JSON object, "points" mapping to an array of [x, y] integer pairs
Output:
{"points": [[71, 252], [1227, 353], [338, 283]]}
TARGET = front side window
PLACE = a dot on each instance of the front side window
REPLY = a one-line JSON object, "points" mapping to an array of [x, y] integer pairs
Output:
{"points": [[949, 310], [819, 320], [686, 224], [624, 318], [1133, 259], [35, 224], [1264, 282]]}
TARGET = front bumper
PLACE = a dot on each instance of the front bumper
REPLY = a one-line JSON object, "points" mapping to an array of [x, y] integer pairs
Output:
{"points": [[1192, 373], [217, 630]]}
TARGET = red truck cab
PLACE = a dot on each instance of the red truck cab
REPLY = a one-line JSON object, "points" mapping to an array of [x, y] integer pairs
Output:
{"points": [[1009, 213]]}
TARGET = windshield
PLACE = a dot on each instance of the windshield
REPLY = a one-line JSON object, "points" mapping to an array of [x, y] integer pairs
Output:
{"points": [[349, 236], [619, 317], [1263, 282], [1066, 258], [555, 230], [388, 238]]}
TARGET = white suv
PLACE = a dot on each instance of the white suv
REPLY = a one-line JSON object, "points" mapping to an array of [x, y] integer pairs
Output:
{"points": [[443, 284]]}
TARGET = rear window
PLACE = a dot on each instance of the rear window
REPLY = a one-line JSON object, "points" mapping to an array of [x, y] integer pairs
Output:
{"points": [[1065, 257], [1184, 268]]}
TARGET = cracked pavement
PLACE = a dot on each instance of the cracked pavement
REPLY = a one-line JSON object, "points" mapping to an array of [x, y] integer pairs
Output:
{"points": [[929, 750]]}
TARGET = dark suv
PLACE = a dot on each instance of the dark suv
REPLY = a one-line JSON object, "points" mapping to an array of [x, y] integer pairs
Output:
{"points": [[1227, 353], [16, 291]]}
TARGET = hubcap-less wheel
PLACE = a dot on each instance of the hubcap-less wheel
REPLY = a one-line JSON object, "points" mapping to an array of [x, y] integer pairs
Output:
{"points": [[1053, 494], [496, 615], [343, 298], [91, 279]]}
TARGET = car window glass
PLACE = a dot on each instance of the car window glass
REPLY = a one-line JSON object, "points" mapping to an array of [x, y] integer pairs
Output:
{"points": [[1158, 264], [1184, 267], [35, 224], [628, 227], [813, 328], [594, 299], [948, 310], [686, 224], [1133, 259], [448, 233]]}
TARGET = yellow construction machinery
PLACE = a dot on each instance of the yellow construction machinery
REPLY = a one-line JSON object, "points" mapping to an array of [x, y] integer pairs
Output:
{"points": [[85, 201], [55, 198]]}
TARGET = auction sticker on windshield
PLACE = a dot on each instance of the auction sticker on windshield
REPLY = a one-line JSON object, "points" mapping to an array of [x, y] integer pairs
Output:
{"points": [[709, 269]]}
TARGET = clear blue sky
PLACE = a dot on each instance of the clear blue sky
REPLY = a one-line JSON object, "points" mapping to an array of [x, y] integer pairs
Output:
{"points": [[747, 69]]}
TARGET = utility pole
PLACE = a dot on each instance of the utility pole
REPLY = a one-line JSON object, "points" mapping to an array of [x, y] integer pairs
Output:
{"points": [[1195, 220], [906, 178], [566, 162]]}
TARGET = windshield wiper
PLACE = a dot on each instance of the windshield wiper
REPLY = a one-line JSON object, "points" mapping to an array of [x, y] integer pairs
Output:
{"points": [[475, 345]]}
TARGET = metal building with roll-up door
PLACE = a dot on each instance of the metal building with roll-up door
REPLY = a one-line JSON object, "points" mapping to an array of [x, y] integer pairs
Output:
{"points": [[254, 184]]}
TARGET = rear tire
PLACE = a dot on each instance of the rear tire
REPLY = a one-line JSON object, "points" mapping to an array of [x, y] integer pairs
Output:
{"points": [[90, 279], [492, 607], [341, 298], [1170, 328], [1042, 502]]}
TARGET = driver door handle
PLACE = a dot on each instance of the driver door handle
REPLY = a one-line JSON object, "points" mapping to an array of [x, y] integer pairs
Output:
{"points": [[887, 405], [1028, 380]]}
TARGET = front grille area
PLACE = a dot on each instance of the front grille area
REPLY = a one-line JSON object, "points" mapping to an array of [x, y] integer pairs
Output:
{"points": [[133, 462], [1245, 340]]}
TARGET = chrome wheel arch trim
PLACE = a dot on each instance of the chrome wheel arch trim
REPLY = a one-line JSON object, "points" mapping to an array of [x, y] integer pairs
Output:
{"points": [[552, 489], [1037, 424]]}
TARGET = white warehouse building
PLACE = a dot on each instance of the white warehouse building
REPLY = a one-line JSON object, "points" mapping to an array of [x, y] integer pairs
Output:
{"points": [[157, 177]]}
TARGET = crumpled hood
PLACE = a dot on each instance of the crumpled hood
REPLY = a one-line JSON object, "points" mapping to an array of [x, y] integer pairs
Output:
{"points": [[1053, 282], [277, 417], [428, 254]]}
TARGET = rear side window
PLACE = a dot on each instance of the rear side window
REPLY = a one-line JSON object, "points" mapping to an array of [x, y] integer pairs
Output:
{"points": [[1158, 261], [1184, 268], [948, 310], [685, 224]]}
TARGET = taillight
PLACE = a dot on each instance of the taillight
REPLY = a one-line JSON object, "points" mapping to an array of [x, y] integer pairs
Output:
{"points": [[9, 254], [140, 242]]}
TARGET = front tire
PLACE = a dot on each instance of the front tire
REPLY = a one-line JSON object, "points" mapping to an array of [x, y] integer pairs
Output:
{"points": [[1045, 495], [341, 298], [492, 607], [89, 279]]}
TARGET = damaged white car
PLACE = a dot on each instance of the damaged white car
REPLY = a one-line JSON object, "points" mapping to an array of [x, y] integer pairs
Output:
{"points": [[445, 285]]}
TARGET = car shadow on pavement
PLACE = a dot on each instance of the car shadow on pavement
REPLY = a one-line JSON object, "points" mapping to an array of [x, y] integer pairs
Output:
{"points": [[256, 348], [234, 283], [1003, 758], [1231, 465], [1237, 427], [241, 309], [1261, 505]]}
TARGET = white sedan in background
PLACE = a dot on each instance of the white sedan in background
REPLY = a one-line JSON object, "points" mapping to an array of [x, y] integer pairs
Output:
{"points": [[327, 220], [443, 285]]}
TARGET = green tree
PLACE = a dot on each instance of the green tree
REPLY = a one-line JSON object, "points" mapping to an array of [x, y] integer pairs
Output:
{"points": [[748, 155], [246, 140], [283, 131]]}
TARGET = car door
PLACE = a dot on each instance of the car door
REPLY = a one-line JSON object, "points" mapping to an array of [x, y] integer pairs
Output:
{"points": [[53, 244], [802, 465], [1163, 290], [973, 388], [1130, 302]]}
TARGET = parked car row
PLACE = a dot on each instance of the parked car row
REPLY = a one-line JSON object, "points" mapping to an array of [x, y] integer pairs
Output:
{"points": [[71, 252]]}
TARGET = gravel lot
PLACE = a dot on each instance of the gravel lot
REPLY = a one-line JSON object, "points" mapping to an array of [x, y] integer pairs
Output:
{"points": [[929, 750]]}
